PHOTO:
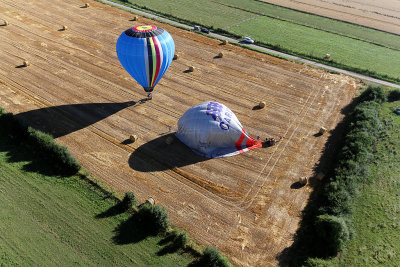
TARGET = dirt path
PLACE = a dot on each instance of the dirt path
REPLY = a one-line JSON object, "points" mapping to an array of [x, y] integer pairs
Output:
{"points": [[77, 90], [383, 15]]}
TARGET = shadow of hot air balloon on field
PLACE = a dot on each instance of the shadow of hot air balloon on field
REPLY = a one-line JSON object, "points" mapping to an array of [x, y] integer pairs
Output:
{"points": [[146, 52], [65, 119]]}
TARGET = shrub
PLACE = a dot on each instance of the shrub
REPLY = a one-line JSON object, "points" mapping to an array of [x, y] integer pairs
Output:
{"points": [[372, 93], [332, 232], [154, 218], [338, 198], [57, 154], [181, 239], [129, 200], [212, 257], [394, 95]]}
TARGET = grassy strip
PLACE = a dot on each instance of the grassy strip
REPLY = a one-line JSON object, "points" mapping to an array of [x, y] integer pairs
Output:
{"points": [[327, 220], [299, 40]]}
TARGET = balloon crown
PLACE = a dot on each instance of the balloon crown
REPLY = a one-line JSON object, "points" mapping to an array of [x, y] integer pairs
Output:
{"points": [[144, 28], [144, 31]]}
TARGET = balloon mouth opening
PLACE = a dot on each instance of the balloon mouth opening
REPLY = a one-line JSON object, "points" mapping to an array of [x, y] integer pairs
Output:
{"points": [[148, 89]]}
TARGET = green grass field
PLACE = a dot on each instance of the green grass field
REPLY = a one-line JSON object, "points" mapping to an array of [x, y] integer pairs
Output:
{"points": [[51, 221], [354, 47]]}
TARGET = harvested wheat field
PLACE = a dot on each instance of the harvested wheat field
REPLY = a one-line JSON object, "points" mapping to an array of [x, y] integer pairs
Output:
{"points": [[382, 15], [75, 89]]}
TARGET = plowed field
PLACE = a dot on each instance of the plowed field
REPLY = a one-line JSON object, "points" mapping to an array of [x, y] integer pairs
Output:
{"points": [[248, 206], [383, 15]]}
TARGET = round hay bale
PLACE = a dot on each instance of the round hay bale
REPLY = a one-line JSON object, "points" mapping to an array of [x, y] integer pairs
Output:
{"points": [[151, 201], [220, 55], [135, 18], [133, 138], [86, 5], [191, 69], [169, 140], [175, 57], [322, 130], [6, 23], [26, 63], [303, 180], [262, 104], [224, 42], [320, 176], [64, 28]]}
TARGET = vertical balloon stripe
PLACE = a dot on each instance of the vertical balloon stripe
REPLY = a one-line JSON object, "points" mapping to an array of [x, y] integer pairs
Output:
{"points": [[150, 61], [145, 83], [154, 60], [239, 142], [158, 58], [167, 48]]}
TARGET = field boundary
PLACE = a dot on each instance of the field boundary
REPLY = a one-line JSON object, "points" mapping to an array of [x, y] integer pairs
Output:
{"points": [[314, 14]]}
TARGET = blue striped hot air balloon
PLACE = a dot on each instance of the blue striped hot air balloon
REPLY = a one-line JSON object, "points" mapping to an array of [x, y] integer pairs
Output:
{"points": [[146, 52]]}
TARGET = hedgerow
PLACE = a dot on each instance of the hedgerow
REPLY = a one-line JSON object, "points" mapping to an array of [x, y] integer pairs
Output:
{"points": [[56, 155], [332, 222]]}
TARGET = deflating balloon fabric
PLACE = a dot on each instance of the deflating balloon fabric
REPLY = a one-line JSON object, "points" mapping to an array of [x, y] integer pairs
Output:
{"points": [[212, 130]]}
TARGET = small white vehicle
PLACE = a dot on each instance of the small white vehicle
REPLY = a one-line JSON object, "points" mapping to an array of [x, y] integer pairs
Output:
{"points": [[248, 40], [196, 28]]}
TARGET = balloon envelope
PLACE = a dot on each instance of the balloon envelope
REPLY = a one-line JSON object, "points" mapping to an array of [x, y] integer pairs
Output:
{"points": [[146, 52], [212, 130]]}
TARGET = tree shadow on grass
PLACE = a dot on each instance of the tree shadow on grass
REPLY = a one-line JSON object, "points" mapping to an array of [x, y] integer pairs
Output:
{"points": [[117, 209], [169, 245], [157, 155], [130, 231]]}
